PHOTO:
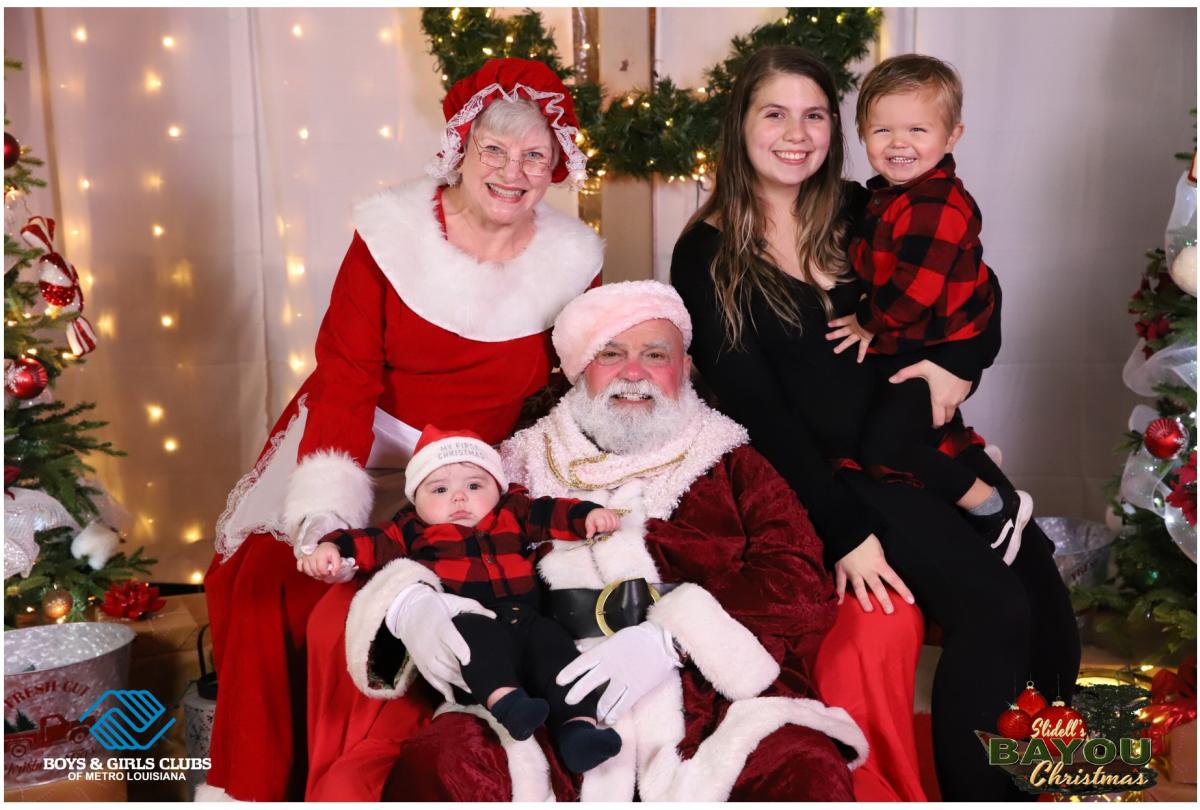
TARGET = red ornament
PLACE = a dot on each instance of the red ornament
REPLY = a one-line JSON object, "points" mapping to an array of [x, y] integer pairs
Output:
{"points": [[1014, 723], [1031, 701], [25, 378], [12, 151], [1166, 437], [1059, 721], [131, 600]]}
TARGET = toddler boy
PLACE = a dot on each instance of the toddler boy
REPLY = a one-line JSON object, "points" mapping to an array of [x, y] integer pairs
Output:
{"points": [[918, 251]]}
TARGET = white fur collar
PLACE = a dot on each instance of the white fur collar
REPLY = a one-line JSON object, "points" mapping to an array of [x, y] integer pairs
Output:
{"points": [[485, 301]]}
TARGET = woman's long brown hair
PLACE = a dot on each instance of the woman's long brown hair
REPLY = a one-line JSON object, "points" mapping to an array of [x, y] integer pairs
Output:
{"points": [[741, 268]]}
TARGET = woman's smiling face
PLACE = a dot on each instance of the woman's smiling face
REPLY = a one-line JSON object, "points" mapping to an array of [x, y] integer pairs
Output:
{"points": [[507, 195], [787, 130]]}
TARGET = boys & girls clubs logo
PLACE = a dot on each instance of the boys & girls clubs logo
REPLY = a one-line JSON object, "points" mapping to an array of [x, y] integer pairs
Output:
{"points": [[1054, 748], [118, 720]]}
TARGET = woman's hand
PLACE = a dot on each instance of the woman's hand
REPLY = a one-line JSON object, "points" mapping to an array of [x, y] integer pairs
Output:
{"points": [[866, 568], [848, 328], [946, 392]]}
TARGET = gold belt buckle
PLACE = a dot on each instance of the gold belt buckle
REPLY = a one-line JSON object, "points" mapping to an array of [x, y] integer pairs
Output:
{"points": [[602, 600]]}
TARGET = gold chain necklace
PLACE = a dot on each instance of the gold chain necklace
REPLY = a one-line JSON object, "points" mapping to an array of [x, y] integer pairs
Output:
{"points": [[572, 481]]}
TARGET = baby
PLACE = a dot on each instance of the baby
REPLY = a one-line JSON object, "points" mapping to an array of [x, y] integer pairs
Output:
{"points": [[483, 544], [918, 251]]}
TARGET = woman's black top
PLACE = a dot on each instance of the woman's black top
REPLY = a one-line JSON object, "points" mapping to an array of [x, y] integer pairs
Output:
{"points": [[802, 404]]}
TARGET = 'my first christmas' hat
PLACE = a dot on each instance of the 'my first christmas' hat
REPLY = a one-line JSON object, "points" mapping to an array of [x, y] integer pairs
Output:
{"points": [[437, 448], [510, 79]]}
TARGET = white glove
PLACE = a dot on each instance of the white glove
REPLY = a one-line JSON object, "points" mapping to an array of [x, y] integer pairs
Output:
{"points": [[633, 661], [420, 617], [312, 529]]}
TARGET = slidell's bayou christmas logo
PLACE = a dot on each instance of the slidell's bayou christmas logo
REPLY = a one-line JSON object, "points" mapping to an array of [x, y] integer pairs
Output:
{"points": [[1100, 746]]}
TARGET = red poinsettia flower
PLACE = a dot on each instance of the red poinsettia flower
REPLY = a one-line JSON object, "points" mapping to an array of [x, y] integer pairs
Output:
{"points": [[1183, 491], [131, 600]]}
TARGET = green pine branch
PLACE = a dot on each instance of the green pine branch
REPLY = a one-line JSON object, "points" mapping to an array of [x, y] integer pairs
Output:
{"points": [[48, 443]]}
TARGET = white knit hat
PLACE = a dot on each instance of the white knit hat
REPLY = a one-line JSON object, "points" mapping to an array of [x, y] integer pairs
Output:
{"points": [[589, 322], [437, 448]]}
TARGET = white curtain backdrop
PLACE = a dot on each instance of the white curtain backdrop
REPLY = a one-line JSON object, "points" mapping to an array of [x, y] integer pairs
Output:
{"points": [[204, 184]]}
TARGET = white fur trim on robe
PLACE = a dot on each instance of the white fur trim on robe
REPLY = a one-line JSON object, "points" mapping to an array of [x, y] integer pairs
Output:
{"points": [[710, 774], [327, 481], [726, 653], [365, 619], [452, 290]]}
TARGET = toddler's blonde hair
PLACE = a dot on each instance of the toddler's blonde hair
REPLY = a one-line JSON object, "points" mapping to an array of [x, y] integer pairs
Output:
{"points": [[908, 73]]}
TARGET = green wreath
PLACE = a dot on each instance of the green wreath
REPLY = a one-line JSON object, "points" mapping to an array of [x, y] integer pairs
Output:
{"points": [[664, 130]]}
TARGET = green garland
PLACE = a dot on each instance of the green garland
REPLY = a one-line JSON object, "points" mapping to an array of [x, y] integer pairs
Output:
{"points": [[664, 130]]}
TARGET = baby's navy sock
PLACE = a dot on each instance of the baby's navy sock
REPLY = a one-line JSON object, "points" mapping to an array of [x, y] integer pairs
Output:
{"points": [[520, 713], [584, 746]]}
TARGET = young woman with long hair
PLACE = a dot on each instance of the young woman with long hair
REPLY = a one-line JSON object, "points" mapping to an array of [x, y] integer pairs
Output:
{"points": [[763, 268]]}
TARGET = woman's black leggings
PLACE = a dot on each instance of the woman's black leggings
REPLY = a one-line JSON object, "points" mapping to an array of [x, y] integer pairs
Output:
{"points": [[1002, 625]]}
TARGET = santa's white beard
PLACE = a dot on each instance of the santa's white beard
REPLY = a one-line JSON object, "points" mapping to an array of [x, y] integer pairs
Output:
{"points": [[630, 429]]}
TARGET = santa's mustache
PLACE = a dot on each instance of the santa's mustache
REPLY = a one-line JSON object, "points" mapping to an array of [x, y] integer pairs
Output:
{"points": [[632, 390]]}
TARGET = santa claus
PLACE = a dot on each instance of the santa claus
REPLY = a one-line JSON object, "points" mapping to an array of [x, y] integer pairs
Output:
{"points": [[698, 618]]}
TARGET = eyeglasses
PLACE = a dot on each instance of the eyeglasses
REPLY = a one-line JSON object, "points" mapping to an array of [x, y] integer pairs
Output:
{"points": [[495, 158]]}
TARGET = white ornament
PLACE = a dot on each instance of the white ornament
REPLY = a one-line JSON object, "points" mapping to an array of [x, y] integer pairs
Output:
{"points": [[1183, 270], [97, 542], [26, 512]]}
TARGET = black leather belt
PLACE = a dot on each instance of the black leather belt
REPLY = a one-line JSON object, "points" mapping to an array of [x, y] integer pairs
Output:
{"points": [[590, 613]]}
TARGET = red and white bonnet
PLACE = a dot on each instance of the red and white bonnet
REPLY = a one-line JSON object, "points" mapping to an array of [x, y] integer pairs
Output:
{"points": [[510, 79]]}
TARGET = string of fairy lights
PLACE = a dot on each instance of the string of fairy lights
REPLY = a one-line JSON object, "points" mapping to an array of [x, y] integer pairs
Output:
{"points": [[662, 131]]}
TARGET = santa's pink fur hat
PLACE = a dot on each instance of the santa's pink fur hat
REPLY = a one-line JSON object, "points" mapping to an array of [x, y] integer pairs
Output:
{"points": [[590, 321]]}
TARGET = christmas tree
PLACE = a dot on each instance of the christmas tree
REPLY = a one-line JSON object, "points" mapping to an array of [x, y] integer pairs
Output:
{"points": [[1155, 498], [60, 542]]}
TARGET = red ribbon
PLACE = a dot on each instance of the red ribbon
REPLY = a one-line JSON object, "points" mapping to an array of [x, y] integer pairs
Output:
{"points": [[131, 600], [1172, 703]]}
